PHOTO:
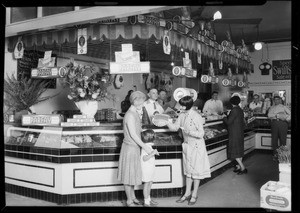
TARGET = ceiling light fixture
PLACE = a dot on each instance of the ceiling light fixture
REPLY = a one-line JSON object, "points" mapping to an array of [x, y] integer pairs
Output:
{"points": [[257, 44], [217, 15]]}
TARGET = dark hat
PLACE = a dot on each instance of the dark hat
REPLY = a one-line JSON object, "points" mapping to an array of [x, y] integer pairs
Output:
{"points": [[235, 100]]}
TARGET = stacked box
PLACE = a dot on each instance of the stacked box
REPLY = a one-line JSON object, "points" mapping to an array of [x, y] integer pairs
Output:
{"points": [[80, 120], [276, 195]]}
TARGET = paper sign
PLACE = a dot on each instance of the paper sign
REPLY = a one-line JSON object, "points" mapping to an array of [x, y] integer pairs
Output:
{"points": [[82, 41], [133, 56], [47, 57], [126, 47], [126, 68], [41, 120], [50, 63], [166, 44]]}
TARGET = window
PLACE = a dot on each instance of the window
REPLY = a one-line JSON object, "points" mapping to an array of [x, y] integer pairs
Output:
{"points": [[55, 10], [23, 13]]}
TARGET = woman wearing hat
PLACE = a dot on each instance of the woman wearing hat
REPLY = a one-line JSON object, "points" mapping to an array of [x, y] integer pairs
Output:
{"points": [[130, 170], [195, 159], [235, 124]]}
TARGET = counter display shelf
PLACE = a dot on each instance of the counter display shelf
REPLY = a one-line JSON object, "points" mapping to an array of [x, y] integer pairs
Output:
{"points": [[83, 161]]}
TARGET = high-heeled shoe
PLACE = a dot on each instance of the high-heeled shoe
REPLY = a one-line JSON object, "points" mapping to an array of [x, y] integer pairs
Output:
{"points": [[183, 198], [237, 169], [137, 202], [192, 202], [242, 172]]}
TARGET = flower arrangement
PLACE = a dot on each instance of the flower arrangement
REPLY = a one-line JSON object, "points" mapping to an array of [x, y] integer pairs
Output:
{"points": [[86, 83], [283, 154]]}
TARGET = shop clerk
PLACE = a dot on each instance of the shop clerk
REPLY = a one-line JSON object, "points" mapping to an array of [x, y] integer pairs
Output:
{"points": [[151, 106], [213, 106], [280, 115], [256, 104]]}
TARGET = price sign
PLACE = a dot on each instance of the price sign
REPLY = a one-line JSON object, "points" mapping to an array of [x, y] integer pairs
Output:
{"points": [[41, 120]]}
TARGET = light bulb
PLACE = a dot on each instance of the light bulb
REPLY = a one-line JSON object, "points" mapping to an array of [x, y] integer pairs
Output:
{"points": [[172, 64], [217, 15], [258, 45]]}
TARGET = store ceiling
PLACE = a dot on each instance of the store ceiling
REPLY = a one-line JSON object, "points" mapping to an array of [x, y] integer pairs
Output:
{"points": [[273, 19]]}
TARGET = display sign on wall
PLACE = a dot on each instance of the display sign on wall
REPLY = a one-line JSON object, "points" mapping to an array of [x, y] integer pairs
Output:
{"points": [[281, 69], [128, 61]]}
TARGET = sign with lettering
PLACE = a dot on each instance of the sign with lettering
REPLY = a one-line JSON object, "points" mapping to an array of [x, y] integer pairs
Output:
{"points": [[149, 20], [53, 72], [128, 61], [127, 68], [114, 20], [41, 120], [281, 69]]}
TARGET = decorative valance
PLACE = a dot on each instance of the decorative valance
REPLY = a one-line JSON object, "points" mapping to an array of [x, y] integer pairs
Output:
{"points": [[128, 31]]}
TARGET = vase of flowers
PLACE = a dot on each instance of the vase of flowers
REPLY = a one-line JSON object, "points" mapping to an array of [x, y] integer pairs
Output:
{"points": [[88, 86]]}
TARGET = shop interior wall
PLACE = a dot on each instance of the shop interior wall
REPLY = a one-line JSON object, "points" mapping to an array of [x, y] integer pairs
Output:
{"points": [[61, 102], [277, 51]]}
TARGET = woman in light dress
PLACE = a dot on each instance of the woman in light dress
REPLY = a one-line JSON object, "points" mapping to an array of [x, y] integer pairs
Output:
{"points": [[195, 159], [130, 171]]}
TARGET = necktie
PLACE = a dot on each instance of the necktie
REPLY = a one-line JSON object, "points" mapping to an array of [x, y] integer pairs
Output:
{"points": [[154, 105]]}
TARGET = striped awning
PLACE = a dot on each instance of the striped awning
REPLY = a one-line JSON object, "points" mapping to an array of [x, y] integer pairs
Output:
{"points": [[115, 31]]}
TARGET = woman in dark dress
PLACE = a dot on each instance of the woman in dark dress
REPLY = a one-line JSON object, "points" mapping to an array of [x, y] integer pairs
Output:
{"points": [[235, 124]]}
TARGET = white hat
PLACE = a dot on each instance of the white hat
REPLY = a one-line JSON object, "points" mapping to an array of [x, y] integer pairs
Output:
{"points": [[182, 92]]}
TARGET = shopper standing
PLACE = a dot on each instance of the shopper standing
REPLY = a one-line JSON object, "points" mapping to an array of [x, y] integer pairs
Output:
{"points": [[195, 159], [235, 124], [130, 170], [280, 115]]}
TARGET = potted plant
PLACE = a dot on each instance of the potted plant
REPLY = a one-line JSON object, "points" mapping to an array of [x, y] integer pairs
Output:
{"points": [[20, 95], [87, 86], [283, 155]]}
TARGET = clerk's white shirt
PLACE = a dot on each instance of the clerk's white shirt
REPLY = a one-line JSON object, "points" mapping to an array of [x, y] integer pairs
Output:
{"points": [[253, 105], [213, 107], [149, 105]]}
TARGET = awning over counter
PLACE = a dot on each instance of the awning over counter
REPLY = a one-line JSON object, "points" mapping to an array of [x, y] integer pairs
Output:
{"points": [[126, 32]]}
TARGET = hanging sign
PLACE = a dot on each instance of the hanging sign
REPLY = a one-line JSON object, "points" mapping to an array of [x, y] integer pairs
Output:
{"points": [[182, 71], [41, 120], [199, 53], [151, 20], [128, 61], [281, 69], [82, 41], [180, 28], [166, 43], [19, 49], [113, 21], [187, 61]]}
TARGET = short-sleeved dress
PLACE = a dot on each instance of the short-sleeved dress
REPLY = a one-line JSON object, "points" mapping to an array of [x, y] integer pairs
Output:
{"points": [[235, 124], [195, 159], [148, 167], [130, 171]]}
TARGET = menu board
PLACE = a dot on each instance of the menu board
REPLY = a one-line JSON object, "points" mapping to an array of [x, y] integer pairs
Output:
{"points": [[281, 69], [30, 60]]}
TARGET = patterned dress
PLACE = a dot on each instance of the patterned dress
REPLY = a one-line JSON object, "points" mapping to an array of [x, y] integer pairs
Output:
{"points": [[130, 170], [195, 159]]}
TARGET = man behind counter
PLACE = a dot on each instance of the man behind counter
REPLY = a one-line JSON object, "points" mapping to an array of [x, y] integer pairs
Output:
{"points": [[151, 107], [256, 104], [280, 115], [213, 106]]}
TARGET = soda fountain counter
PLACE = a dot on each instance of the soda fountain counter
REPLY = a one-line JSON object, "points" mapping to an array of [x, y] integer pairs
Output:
{"points": [[79, 164]]}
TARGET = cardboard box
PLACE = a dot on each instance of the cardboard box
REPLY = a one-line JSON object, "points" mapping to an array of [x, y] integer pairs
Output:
{"points": [[279, 200]]}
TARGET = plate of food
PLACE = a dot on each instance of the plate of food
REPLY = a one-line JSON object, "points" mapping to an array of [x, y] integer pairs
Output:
{"points": [[160, 120]]}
